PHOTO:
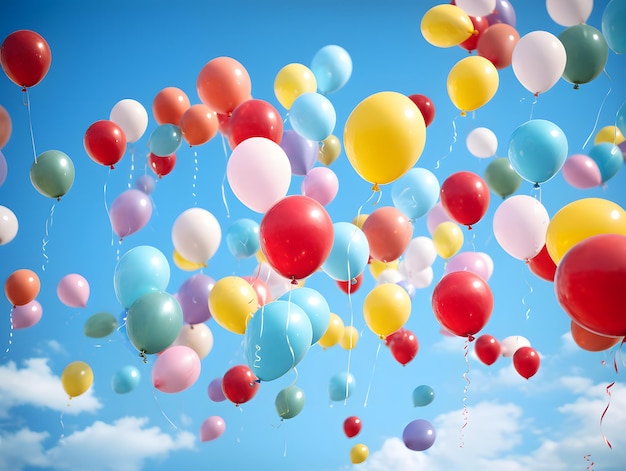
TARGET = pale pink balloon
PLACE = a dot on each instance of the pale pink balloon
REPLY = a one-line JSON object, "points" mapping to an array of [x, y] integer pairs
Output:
{"points": [[73, 290], [26, 315], [436, 216], [474, 262], [581, 172], [130, 211], [177, 368], [321, 184], [212, 428]]}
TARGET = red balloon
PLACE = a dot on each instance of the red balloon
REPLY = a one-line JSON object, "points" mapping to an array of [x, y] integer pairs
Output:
{"points": [[352, 426], [105, 142], [261, 289], [462, 303], [465, 197], [239, 384], [526, 361], [403, 345], [22, 286], [296, 236], [388, 231], [542, 265], [255, 118], [487, 349], [161, 165], [591, 342], [480, 25], [425, 106], [497, 44], [350, 286], [590, 281], [25, 57], [224, 124]]}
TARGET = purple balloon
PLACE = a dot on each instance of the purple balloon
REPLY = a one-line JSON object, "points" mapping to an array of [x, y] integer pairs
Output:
{"points": [[26, 315], [130, 211], [215, 390], [418, 435], [581, 171], [302, 152], [3, 168], [503, 13], [622, 147], [193, 297], [321, 184], [145, 183]]}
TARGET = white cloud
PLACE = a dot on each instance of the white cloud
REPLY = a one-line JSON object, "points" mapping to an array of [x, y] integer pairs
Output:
{"points": [[21, 449], [24, 386], [51, 346]]}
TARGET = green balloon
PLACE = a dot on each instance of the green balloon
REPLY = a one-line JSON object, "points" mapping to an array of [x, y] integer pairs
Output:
{"points": [[154, 321], [502, 178], [289, 402], [100, 325], [52, 174], [587, 52]]}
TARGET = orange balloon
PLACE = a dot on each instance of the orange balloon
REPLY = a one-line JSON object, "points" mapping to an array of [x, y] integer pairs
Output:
{"points": [[169, 105], [5, 126], [591, 341], [22, 286], [223, 84], [199, 124], [388, 231]]}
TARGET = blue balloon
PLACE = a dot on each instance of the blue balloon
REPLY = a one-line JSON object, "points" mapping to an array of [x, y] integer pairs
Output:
{"points": [[277, 338], [125, 379], [314, 306], [341, 386], [416, 192], [313, 116], [139, 271], [242, 238], [423, 395], [609, 159], [614, 25], [349, 254], [332, 67], [537, 150], [165, 140], [620, 121]]}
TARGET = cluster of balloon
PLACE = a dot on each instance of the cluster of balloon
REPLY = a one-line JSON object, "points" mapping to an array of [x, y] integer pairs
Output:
{"points": [[403, 345], [526, 360]]}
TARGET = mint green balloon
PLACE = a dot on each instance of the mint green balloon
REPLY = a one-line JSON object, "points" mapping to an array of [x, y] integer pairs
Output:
{"points": [[52, 174], [502, 178], [154, 321], [587, 52], [289, 402], [100, 325]]}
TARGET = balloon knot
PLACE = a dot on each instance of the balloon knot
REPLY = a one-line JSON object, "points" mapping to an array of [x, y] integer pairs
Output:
{"points": [[470, 338], [369, 260], [536, 94], [475, 32], [375, 187], [463, 113], [536, 185], [23, 89], [111, 166], [469, 227], [58, 198], [294, 281], [144, 358], [576, 86]]}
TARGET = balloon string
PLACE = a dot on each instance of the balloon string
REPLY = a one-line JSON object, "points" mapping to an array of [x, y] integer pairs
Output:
{"points": [[537, 192], [608, 392], [162, 411], [26, 100], [132, 165], [293, 354], [465, 389], [454, 139], [195, 178], [62, 424], [532, 106], [106, 205], [595, 124], [10, 331], [45, 240], [369, 386], [524, 296], [224, 178], [588, 459]]}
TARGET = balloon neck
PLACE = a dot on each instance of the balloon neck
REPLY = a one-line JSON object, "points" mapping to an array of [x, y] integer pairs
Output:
{"points": [[111, 166], [576, 86], [470, 338], [469, 227], [58, 198], [536, 94], [475, 32], [143, 356], [463, 113], [294, 281], [24, 90], [536, 185], [375, 187]]}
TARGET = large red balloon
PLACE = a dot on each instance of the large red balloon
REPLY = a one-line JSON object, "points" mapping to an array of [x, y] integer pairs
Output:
{"points": [[161, 165], [487, 349], [425, 106], [239, 384], [591, 342], [480, 24], [388, 231], [255, 118], [462, 303], [105, 142], [296, 236], [25, 57], [526, 361], [403, 345], [542, 265], [352, 426], [465, 197], [590, 281]]}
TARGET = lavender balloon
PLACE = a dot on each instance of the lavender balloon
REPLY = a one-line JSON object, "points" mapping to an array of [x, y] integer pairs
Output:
{"points": [[215, 390], [193, 297], [418, 435], [302, 152], [26, 315], [130, 211], [321, 184], [145, 183], [503, 13]]}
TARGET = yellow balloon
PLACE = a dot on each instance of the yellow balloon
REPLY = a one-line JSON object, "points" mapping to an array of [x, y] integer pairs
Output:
{"points": [[329, 150], [260, 256], [292, 81], [349, 338], [448, 239], [384, 137], [333, 333], [77, 378], [386, 309], [232, 301], [472, 82], [359, 220], [610, 134], [359, 453], [446, 26], [377, 267], [185, 264], [580, 220]]}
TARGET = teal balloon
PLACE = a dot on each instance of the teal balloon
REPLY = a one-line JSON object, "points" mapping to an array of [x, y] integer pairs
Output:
{"points": [[349, 254], [165, 140], [614, 25], [341, 386], [242, 238], [609, 159], [100, 325], [313, 116], [501, 177], [416, 192], [52, 174], [537, 150], [125, 379], [314, 305], [277, 338], [332, 68], [423, 395], [153, 322], [140, 270], [587, 52], [289, 402]]}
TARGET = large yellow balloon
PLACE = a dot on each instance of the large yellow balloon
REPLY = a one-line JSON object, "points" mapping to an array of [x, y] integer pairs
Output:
{"points": [[610, 134], [292, 81], [580, 220], [472, 82], [359, 453], [386, 309], [77, 378], [330, 148], [232, 301], [446, 26], [384, 137], [350, 338], [333, 333], [185, 264], [377, 267], [448, 239]]}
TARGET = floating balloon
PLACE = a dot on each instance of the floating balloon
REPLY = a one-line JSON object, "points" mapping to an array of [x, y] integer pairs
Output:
{"points": [[526, 361], [223, 84], [165, 140], [301, 152], [497, 44], [289, 402], [212, 428], [292, 81], [502, 178], [239, 384], [321, 184], [386, 309], [472, 82], [389, 232], [314, 306], [420, 254], [176, 369], [418, 435], [465, 197], [542, 265], [569, 13], [509, 345], [349, 254], [199, 124], [482, 142], [591, 342], [196, 234], [215, 390], [22, 286], [426, 107], [423, 395], [448, 239], [351, 286], [480, 26], [487, 349], [131, 117], [184, 264], [476, 262], [502, 13], [333, 333], [538, 61], [587, 53], [476, 7], [446, 26], [332, 68], [52, 174], [242, 238], [403, 345], [359, 453], [100, 325], [612, 134], [169, 106], [105, 143], [329, 150], [613, 27], [26, 315], [608, 158], [161, 165], [349, 338], [436, 216], [352, 426], [77, 378], [193, 296], [8, 225], [313, 116], [125, 379], [3, 166], [141, 270], [25, 57], [254, 118], [198, 337], [145, 183], [232, 301], [416, 192], [341, 386], [261, 289], [130, 212]]}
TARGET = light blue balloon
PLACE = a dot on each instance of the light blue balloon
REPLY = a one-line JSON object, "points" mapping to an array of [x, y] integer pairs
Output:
{"points": [[242, 238], [349, 254], [125, 379], [416, 192], [312, 116], [537, 150], [277, 338], [139, 271], [620, 122], [332, 67], [423, 395], [609, 159], [614, 25], [314, 306], [165, 140], [341, 386]]}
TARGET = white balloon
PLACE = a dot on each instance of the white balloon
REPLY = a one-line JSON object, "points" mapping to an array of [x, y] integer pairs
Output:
{"points": [[8, 225], [196, 235], [389, 275], [418, 279], [132, 117], [276, 283], [509, 345], [482, 143], [538, 61], [477, 7], [419, 254], [569, 12], [198, 337]]}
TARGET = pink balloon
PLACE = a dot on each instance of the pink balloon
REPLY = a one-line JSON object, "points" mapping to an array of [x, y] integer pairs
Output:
{"points": [[321, 184], [193, 296], [130, 211], [26, 315], [475, 262], [73, 290], [581, 171], [215, 390], [436, 216], [261, 289], [212, 428], [176, 369]]}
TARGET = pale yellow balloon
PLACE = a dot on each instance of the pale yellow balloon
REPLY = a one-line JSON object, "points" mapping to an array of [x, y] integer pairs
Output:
{"points": [[77, 378], [377, 267], [386, 309], [232, 301], [260, 256], [349, 338], [472, 82], [333, 333], [359, 220], [610, 134], [359, 453], [198, 337], [184, 264], [448, 239], [446, 25], [292, 81], [329, 150]]}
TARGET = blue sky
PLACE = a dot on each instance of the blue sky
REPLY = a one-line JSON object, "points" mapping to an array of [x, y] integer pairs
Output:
{"points": [[103, 52]]}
